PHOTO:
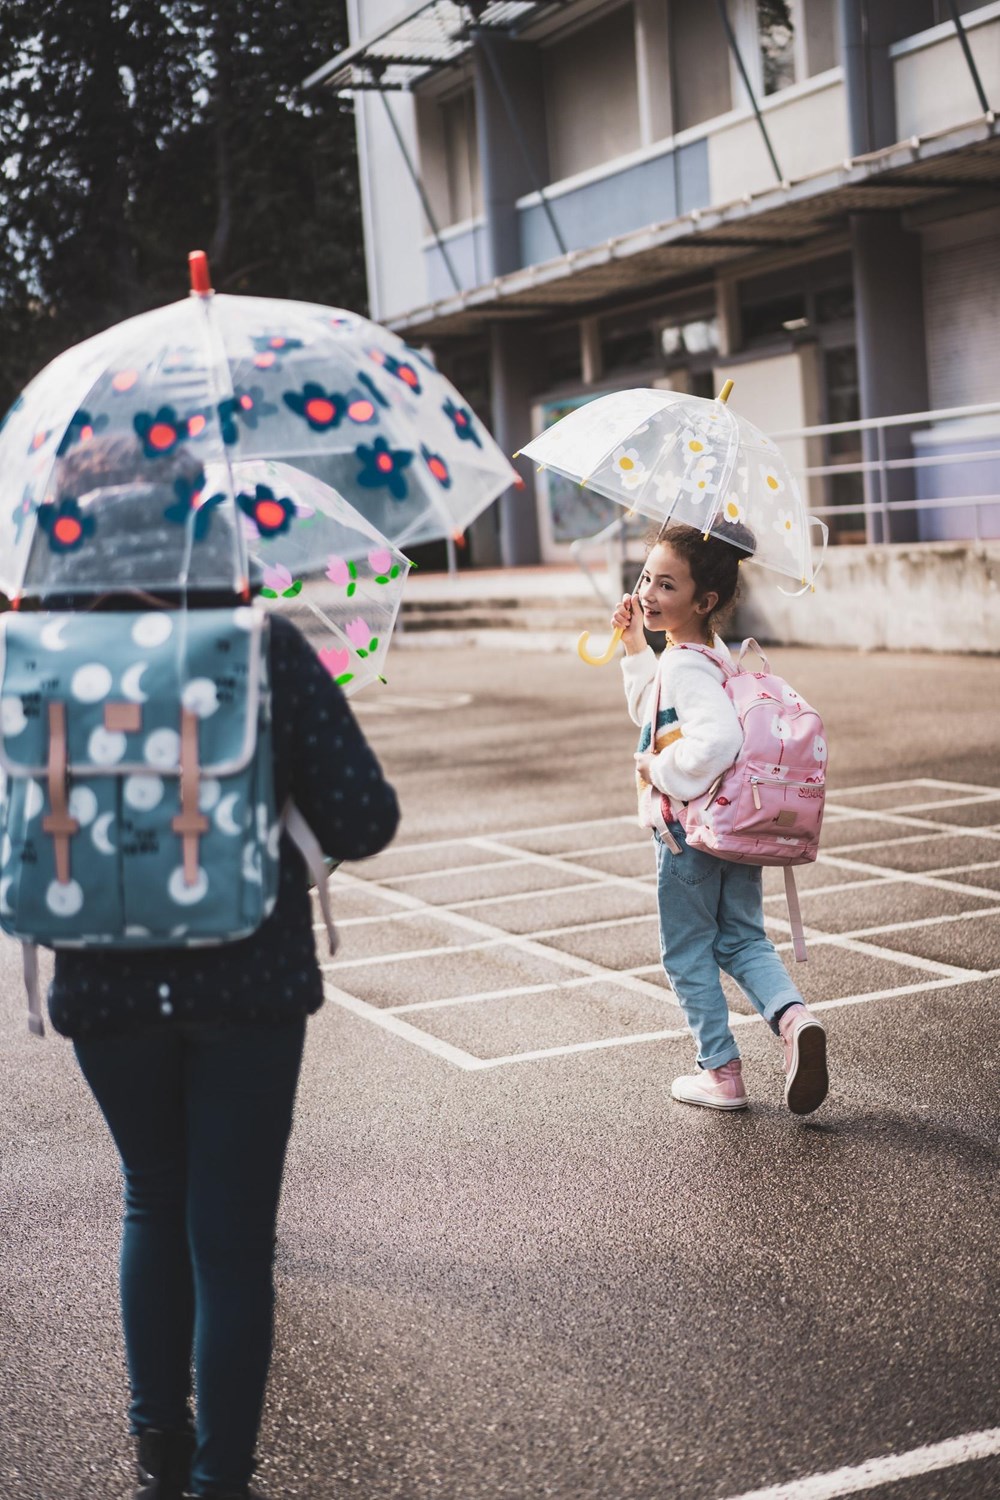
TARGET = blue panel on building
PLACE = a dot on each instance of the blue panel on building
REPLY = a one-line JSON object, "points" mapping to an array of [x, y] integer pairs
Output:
{"points": [[651, 192], [469, 257]]}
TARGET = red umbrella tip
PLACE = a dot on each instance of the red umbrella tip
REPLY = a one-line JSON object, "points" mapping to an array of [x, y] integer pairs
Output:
{"points": [[201, 282], [519, 482]]}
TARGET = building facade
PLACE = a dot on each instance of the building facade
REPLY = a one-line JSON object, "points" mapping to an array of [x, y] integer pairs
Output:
{"points": [[563, 197]]}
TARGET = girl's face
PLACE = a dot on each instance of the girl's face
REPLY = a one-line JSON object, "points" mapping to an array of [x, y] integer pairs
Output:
{"points": [[668, 597]]}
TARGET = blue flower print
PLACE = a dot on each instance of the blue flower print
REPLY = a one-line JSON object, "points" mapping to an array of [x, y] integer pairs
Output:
{"points": [[81, 428], [373, 390], [437, 466], [64, 524], [322, 410], [382, 465], [249, 405], [189, 503], [160, 434], [461, 419], [269, 514]]}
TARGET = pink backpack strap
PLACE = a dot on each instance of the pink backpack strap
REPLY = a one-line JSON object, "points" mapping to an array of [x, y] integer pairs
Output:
{"points": [[723, 662], [795, 916]]}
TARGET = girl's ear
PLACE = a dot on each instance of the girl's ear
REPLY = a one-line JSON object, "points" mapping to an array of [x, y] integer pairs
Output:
{"points": [[707, 603]]}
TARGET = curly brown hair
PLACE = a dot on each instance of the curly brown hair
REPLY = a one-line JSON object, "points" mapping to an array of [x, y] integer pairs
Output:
{"points": [[713, 560]]}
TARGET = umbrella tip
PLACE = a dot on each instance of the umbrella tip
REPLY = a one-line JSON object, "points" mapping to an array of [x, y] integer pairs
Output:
{"points": [[201, 282], [725, 392]]}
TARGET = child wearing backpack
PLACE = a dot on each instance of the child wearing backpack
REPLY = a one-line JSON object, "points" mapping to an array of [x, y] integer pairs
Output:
{"points": [[710, 909], [191, 1052]]}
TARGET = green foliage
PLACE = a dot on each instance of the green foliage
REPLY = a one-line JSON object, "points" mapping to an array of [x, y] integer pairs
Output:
{"points": [[133, 131]]}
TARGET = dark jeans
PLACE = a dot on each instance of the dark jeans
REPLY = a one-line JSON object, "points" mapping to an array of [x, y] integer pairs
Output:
{"points": [[201, 1116]]}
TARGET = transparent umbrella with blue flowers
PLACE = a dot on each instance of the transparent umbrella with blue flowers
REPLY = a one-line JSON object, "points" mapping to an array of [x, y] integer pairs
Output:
{"points": [[214, 382]]}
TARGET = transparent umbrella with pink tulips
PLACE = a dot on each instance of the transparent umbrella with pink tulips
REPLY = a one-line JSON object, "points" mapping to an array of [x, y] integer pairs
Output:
{"points": [[319, 560]]}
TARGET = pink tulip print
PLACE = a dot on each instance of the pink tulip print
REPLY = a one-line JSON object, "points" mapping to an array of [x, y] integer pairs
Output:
{"points": [[381, 563], [279, 583], [342, 573], [359, 633], [336, 663]]}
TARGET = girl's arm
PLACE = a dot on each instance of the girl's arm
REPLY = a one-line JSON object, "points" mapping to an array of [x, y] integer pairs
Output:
{"points": [[710, 737], [639, 671]]}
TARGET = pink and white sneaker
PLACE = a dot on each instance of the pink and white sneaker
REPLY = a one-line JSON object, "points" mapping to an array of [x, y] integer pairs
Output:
{"points": [[807, 1081], [717, 1088]]}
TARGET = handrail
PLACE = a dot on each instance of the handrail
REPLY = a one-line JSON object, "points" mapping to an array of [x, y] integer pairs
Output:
{"points": [[901, 419]]}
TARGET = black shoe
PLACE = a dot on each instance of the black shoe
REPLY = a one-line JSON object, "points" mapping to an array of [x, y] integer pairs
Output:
{"points": [[163, 1463]]}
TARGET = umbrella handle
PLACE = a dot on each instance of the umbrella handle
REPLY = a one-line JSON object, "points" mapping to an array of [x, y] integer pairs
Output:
{"points": [[597, 661]]}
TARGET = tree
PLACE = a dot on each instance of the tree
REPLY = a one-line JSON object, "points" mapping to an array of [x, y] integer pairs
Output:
{"points": [[132, 131]]}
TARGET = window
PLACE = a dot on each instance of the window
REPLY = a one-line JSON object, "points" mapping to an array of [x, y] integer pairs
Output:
{"points": [[700, 53], [777, 44], [591, 104], [458, 120]]}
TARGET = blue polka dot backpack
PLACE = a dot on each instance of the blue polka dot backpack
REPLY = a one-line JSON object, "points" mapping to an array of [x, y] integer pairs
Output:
{"points": [[139, 801]]}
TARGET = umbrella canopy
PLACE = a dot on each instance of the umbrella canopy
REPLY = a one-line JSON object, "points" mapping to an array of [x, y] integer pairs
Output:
{"points": [[330, 569], [672, 457], [222, 380]]}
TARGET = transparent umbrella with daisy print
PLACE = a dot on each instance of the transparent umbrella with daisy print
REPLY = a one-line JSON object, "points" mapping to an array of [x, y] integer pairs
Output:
{"points": [[677, 458]]}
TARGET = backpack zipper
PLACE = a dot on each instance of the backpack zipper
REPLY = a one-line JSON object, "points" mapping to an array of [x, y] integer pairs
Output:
{"points": [[774, 781]]}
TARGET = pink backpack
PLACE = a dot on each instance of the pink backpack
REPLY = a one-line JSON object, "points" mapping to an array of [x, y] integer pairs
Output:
{"points": [[767, 809]]}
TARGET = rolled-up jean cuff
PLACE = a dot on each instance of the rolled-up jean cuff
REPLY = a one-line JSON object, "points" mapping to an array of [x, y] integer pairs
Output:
{"points": [[780, 1003], [719, 1059]]}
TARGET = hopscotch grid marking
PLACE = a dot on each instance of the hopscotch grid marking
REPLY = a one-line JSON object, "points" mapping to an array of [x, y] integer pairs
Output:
{"points": [[629, 979]]}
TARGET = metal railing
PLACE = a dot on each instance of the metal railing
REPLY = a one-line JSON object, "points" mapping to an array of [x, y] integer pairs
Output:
{"points": [[878, 469]]}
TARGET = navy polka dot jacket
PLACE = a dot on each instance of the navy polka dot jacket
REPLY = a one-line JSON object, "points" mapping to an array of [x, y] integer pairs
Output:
{"points": [[323, 762]]}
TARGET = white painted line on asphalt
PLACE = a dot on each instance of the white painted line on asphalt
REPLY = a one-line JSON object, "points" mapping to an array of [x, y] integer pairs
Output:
{"points": [[908, 877], [389, 1022], [735, 1020], [622, 819], [905, 820], [971, 1447], [872, 950], [891, 786], [939, 921]]}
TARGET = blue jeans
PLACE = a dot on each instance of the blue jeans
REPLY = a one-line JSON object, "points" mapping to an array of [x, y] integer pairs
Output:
{"points": [[712, 918], [201, 1116]]}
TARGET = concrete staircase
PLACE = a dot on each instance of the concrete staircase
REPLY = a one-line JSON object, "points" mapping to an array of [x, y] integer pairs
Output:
{"points": [[540, 607]]}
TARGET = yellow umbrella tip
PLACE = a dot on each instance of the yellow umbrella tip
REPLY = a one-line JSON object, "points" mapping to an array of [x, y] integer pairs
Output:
{"points": [[725, 392]]}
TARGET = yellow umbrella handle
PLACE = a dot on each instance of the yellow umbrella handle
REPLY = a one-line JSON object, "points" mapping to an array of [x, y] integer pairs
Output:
{"points": [[597, 661]]}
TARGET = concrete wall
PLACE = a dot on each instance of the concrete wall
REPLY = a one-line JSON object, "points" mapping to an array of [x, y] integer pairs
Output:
{"points": [[934, 87], [922, 596], [808, 128]]}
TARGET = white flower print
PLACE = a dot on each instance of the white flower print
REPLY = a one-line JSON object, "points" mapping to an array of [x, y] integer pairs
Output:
{"points": [[791, 697], [819, 748], [732, 509], [743, 475], [771, 479], [629, 467], [780, 729], [698, 480], [768, 444], [786, 525], [693, 443], [777, 773], [667, 486]]}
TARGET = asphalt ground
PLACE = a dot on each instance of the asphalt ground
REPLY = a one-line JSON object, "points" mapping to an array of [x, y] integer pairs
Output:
{"points": [[509, 1266]]}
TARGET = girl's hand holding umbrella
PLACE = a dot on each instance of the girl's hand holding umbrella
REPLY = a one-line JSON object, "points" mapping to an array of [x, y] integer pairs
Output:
{"points": [[627, 621]]}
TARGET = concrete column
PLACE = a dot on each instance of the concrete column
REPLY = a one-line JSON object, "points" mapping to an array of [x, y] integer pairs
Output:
{"points": [[506, 176], [513, 361], [868, 28], [892, 354]]}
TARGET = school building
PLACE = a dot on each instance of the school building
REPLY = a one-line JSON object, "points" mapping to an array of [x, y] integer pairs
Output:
{"points": [[563, 197]]}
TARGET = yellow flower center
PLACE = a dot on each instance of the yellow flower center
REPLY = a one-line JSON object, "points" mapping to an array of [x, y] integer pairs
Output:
{"points": [[626, 463], [695, 446], [772, 482]]}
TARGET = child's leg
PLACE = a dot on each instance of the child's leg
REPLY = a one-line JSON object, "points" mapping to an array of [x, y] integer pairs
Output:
{"points": [[688, 886], [743, 949]]}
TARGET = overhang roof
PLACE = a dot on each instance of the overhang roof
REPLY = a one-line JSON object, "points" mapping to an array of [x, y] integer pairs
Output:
{"points": [[434, 35], [920, 171]]}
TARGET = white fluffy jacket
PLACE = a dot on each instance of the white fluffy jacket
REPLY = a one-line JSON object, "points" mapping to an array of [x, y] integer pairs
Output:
{"points": [[694, 701]]}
